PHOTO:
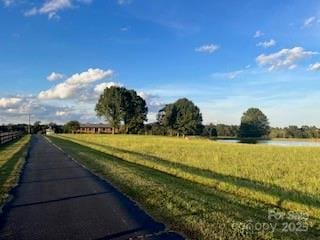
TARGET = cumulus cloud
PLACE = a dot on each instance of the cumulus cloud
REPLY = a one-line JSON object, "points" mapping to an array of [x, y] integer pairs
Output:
{"points": [[74, 84], [258, 34], [314, 67], [61, 113], [55, 76], [153, 101], [267, 44], [17, 111], [9, 102], [52, 7], [284, 59], [209, 48], [102, 86]]}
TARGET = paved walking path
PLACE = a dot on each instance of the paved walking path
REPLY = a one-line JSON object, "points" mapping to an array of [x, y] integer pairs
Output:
{"points": [[58, 199]]}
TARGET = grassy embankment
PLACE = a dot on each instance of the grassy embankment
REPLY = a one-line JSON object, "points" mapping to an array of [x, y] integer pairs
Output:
{"points": [[10, 164], [205, 189]]}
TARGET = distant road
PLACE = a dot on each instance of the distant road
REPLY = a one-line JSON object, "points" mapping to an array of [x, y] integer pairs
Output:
{"points": [[58, 199]]}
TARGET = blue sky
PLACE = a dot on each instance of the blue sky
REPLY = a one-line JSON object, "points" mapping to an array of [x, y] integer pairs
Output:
{"points": [[226, 56]]}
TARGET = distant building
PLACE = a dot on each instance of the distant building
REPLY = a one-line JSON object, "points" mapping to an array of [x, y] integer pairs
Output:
{"points": [[50, 131], [96, 128]]}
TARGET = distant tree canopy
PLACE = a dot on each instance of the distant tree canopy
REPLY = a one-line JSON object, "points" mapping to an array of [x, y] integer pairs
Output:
{"points": [[14, 127], [254, 124], [181, 117], [37, 127], [120, 105], [295, 132], [227, 130], [210, 130], [71, 127]]}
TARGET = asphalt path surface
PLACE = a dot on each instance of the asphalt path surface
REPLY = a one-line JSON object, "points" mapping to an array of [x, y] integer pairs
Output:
{"points": [[58, 199]]}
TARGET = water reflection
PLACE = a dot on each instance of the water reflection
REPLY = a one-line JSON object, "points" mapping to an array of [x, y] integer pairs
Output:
{"points": [[285, 143]]}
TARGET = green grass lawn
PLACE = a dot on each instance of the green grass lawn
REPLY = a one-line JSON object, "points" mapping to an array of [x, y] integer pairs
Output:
{"points": [[209, 190], [10, 164]]}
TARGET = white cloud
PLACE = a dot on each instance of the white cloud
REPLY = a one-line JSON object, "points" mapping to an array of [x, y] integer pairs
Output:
{"points": [[258, 34], [52, 7], [55, 76], [267, 44], [18, 112], [8, 3], [309, 21], [153, 101], [284, 59], [31, 12], [9, 102], [74, 84], [314, 67], [102, 86], [209, 48], [61, 113]]}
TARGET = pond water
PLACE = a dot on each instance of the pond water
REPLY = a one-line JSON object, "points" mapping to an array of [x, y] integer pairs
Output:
{"points": [[283, 143]]}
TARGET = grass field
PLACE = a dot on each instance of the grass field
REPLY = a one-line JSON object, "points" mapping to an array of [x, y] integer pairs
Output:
{"points": [[10, 164], [210, 190]]}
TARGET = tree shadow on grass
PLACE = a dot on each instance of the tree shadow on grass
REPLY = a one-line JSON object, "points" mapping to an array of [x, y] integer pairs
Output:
{"points": [[214, 200], [269, 189]]}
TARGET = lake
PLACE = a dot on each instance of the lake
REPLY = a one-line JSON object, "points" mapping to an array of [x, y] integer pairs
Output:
{"points": [[283, 143]]}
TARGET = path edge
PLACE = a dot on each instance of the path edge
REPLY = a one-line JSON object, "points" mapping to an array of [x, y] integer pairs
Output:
{"points": [[166, 228], [23, 159]]}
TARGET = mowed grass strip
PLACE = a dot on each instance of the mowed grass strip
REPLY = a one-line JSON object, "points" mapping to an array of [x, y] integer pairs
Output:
{"points": [[203, 188], [10, 164]]}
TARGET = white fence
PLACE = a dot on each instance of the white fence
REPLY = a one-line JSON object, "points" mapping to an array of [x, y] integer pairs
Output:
{"points": [[9, 136]]}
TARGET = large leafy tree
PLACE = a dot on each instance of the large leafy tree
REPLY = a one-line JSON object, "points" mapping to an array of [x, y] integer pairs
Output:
{"points": [[254, 124], [37, 127], [120, 105], [109, 106], [134, 111], [167, 117], [72, 126], [182, 117]]}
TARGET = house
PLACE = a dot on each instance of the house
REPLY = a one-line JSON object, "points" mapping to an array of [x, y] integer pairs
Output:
{"points": [[96, 128]]}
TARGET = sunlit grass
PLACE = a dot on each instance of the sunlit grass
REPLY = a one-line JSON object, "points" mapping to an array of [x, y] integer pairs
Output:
{"points": [[10, 163], [208, 184]]}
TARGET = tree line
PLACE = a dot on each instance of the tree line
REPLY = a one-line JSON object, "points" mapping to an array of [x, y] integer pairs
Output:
{"points": [[123, 109]]}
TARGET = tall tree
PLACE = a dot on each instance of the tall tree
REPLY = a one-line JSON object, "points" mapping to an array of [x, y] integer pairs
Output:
{"points": [[134, 111], [254, 124], [109, 106], [37, 127], [72, 126], [182, 117], [118, 104], [167, 117]]}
